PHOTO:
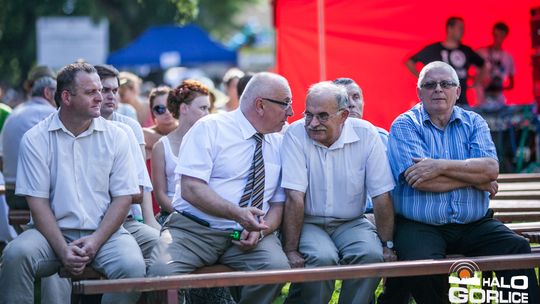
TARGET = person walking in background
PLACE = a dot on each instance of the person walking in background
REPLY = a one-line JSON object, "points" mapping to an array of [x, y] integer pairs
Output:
{"points": [[230, 86]]}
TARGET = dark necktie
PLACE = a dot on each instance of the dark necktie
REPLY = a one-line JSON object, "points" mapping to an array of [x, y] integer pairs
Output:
{"points": [[255, 185]]}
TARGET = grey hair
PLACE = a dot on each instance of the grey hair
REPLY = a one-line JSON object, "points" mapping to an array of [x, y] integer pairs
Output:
{"points": [[325, 87], [261, 85], [437, 65], [38, 87]]}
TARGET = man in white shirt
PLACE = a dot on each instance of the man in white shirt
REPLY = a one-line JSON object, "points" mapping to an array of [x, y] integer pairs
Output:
{"points": [[78, 176], [331, 163], [227, 210], [140, 221]]}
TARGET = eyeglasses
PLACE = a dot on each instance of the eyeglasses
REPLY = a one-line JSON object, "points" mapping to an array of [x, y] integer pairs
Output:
{"points": [[321, 117], [445, 84], [159, 109], [286, 104]]}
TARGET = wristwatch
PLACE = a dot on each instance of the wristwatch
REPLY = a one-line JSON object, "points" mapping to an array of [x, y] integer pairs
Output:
{"points": [[388, 244]]}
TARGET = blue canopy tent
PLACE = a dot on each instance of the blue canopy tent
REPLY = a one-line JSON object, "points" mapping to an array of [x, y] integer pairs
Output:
{"points": [[169, 45]]}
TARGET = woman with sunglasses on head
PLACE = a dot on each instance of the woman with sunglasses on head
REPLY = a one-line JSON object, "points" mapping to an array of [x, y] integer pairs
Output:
{"points": [[164, 122]]}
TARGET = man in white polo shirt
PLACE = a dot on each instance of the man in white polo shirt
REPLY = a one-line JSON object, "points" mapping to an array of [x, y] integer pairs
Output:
{"points": [[78, 176], [229, 202], [330, 164]]}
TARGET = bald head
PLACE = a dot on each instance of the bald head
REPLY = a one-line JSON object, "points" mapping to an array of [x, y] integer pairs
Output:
{"points": [[262, 84], [266, 102]]}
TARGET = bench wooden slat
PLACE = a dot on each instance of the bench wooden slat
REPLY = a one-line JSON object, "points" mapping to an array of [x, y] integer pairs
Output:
{"points": [[518, 177], [519, 186], [213, 269], [88, 273], [524, 227], [18, 217], [512, 195], [517, 205], [517, 216], [240, 278]]}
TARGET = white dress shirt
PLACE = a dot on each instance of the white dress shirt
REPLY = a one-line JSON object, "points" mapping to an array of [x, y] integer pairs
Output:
{"points": [[219, 150], [140, 165], [336, 179], [77, 174]]}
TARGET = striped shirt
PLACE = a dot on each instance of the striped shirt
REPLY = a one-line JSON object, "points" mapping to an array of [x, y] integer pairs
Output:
{"points": [[412, 135]]}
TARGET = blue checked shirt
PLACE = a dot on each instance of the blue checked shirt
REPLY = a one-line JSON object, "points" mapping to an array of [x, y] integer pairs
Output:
{"points": [[414, 135]]}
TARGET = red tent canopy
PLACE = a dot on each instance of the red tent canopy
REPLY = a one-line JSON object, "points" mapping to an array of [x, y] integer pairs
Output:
{"points": [[370, 40]]}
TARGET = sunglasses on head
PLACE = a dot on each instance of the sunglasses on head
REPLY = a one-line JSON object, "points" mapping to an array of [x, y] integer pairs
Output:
{"points": [[159, 109]]}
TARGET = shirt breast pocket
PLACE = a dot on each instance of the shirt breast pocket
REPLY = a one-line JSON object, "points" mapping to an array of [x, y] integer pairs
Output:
{"points": [[99, 177], [355, 183]]}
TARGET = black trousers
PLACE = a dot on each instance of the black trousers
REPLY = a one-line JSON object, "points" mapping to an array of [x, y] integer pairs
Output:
{"points": [[416, 241]]}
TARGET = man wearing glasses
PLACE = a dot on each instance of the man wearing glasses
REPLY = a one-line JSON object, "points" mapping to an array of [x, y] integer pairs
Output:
{"points": [[445, 167], [330, 164], [228, 201]]}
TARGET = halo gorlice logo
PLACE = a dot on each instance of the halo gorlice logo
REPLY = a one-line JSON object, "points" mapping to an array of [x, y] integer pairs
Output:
{"points": [[468, 286]]}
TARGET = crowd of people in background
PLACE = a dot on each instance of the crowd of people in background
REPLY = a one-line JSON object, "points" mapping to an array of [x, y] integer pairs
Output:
{"points": [[137, 186]]}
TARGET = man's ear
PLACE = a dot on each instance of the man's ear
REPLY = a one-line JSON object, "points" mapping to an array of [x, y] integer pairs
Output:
{"points": [[259, 106], [66, 97]]}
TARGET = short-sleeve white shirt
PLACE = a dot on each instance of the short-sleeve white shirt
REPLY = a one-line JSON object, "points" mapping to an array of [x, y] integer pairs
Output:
{"points": [[133, 124], [219, 150], [78, 174], [336, 179]]}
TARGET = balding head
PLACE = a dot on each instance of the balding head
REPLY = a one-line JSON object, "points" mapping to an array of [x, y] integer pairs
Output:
{"points": [[436, 65], [326, 112], [327, 88], [266, 102]]}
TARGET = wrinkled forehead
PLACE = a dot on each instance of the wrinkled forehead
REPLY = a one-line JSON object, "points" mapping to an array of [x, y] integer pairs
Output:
{"points": [[438, 73]]}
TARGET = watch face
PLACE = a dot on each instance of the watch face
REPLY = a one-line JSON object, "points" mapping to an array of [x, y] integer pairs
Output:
{"points": [[390, 245]]}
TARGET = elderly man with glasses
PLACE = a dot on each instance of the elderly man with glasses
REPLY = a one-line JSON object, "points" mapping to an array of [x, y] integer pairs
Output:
{"points": [[330, 164], [445, 167], [228, 201]]}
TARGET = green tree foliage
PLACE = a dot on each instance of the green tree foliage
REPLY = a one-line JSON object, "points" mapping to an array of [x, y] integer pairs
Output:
{"points": [[127, 19]]}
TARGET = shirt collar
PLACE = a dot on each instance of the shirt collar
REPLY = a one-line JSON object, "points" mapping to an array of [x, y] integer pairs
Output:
{"points": [[40, 100], [457, 114], [98, 124], [347, 136], [246, 127]]}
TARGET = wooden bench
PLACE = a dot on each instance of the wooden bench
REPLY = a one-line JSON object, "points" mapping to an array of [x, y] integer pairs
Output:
{"points": [[169, 285], [517, 204]]}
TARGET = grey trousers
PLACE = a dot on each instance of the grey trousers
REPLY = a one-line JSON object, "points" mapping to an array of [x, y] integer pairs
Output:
{"points": [[329, 242], [30, 256], [185, 245], [145, 236]]}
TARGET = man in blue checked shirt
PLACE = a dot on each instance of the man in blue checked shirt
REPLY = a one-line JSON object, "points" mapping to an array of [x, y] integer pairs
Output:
{"points": [[445, 167]]}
